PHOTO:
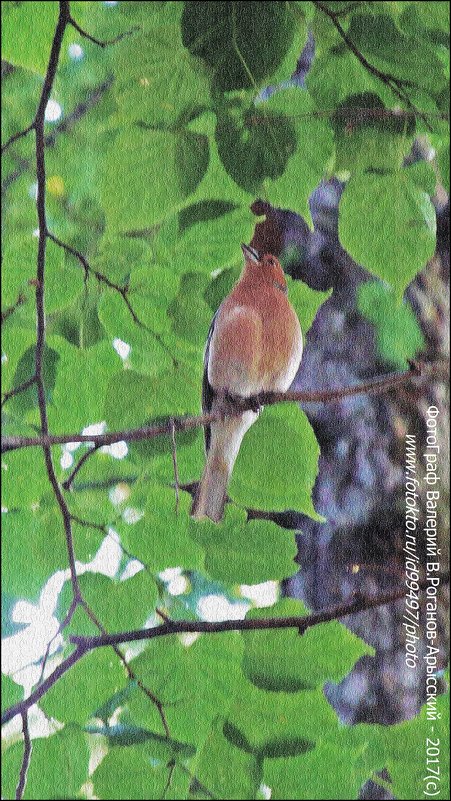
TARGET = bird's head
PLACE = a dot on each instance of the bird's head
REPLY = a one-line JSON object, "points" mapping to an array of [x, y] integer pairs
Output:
{"points": [[266, 267]]}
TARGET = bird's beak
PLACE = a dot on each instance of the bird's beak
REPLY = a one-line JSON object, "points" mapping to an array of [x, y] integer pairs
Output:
{"points": [[250, 253]]}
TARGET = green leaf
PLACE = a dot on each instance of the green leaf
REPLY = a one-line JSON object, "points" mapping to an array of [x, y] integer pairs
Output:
{"points": [[402, 743], [159, 747], [308, 165], [26, 401], [402, 211], [323, 653], [398, 334], [325, 772], [28, 33], [25, 478], [205, 677], [81, 383], [411, 58], [227, 771], [215, 243], [132, 203], [189, 312], [266, 477], [117, 256], [246, 553], [58, 766], [26, 536], [349, 77], [365, 142], [16, 341], [118, 605], [282, 723], [157, 79], [254, 144], [243, 43], [129, 773], [148, 352], [135, 399], [88, 684], [161, 539], [63, 281], [11, 692]]}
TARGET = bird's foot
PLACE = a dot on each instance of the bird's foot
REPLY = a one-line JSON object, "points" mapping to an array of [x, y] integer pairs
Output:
{"points": [[230, 404]]}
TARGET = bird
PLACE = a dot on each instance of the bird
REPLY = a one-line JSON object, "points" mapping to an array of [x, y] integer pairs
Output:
{"points": [[254, 345]]}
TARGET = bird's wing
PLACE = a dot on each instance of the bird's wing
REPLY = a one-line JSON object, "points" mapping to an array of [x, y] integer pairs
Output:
{"points": [[208, 392]]}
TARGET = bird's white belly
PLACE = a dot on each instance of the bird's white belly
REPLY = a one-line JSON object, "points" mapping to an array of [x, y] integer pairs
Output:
{"points": [[284, 379]]}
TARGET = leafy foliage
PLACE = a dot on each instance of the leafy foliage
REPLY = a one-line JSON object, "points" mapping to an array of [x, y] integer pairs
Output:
{"points": [[166, 137]]}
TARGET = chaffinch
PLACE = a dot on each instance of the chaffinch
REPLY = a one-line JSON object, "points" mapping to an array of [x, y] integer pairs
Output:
{"points": [[254, 345]]}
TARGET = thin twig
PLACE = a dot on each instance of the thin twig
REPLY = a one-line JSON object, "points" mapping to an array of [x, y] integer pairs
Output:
{"points": [[67, 483], [21, 298], [302, 623], [64, 126], [18, 389], [64, 623], [100, 42], [130, 672], [17, 136], [394, 84], [27, 749], [374, 386], [39, 692], [174, 462], [122, 290]]}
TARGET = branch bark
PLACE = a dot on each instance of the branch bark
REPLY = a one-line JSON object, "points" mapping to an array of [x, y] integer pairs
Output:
{"points": [[84, 645], [373, 386]]}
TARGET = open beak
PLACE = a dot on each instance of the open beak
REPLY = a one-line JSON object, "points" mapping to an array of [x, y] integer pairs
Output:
{"points": [[250, 253]]}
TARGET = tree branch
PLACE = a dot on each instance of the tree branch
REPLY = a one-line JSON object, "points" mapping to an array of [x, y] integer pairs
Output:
{"points": [[27, 749], [18, 389], [64, 126], [130, 673], [67, 483], [100, 42], [394, 84], [122, 290], [63, 19], [17, 136], [21, 298], [374, 386], [302, 623]]}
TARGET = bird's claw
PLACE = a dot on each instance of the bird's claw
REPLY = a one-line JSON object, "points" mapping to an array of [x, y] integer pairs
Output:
{"points": [[230, 404]]}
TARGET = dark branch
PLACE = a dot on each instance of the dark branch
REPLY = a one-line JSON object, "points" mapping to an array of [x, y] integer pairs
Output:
{"points": [[18, 389], [122, 290], [358, 604], [130, 673], [27, 749], [21, 298], [68, 482], [63, 19], [100, 42], [374, 386], [302, 623], [17, 136], [33, 698], [394, 84]]}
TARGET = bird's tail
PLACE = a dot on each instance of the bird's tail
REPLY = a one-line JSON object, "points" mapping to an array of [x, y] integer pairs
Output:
{"points": [[226, 438]]}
